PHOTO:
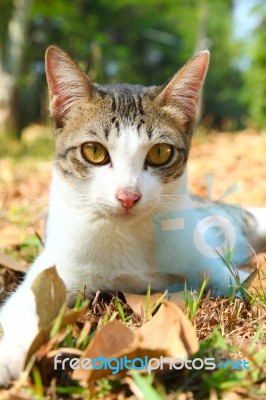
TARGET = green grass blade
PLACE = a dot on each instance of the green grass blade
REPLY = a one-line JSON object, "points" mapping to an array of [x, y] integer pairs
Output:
{"points": [[120, 309], [145, 386]]}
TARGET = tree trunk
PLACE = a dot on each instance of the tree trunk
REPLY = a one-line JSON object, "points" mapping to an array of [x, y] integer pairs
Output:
{"points": [[10, 64], [7, 100], [202, 40]]}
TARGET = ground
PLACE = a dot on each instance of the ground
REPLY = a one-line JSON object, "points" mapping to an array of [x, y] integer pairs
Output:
{"points": [[232, 158]]}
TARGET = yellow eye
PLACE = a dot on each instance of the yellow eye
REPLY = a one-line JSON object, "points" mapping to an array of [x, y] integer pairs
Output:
{"points": [[159, 154], [95, 153]]}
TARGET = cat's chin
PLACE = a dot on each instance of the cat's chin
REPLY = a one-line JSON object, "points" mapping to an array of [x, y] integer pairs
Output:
{"points": [[127, 218]]}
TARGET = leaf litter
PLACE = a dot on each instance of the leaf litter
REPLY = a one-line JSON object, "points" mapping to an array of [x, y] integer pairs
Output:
{"points": [[86, 330]]}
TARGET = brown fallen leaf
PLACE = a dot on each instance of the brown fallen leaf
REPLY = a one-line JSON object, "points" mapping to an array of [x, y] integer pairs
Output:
{"points": [[169, 334], [11, 263], [46, 347], [178, 299], [110, 339], [138, 302], [256, 282], [64, 350], [170, 330], [257, 260], [43, 335], [50, 294]]}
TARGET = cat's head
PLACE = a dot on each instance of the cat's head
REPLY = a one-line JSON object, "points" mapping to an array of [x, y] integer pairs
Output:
{"points": [[121, 150]]}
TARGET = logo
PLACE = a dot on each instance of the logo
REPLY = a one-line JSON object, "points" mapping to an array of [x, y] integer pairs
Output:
{"points": [[150, 364], [202, 240]]}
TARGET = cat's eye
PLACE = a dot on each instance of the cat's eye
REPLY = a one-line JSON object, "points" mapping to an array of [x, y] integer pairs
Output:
{"points": [[95, 153], [159, 154]]}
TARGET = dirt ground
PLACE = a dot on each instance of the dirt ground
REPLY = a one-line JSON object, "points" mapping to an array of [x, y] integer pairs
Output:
{"points": [[233, 160], [238, 158]]}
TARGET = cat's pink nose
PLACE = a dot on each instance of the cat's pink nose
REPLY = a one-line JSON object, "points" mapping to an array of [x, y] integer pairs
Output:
{"points": [[127, 199]]}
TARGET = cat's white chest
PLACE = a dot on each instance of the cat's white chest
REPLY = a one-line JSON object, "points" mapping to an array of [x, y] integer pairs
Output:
{"points": [[102, 255]]}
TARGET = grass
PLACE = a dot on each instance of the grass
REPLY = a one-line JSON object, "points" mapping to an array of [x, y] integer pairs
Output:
{"points": [[193, 302], [200, 384], [228, 329], [38, 144]]}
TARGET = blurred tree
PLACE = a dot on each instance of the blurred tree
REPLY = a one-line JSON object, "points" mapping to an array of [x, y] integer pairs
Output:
{"points": [[254, 94], [137, 40], [14, 22], [222, 91], [132, 41], [123, 40]]}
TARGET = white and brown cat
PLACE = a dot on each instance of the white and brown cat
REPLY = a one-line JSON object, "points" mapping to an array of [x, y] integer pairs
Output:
{"points": [[121, 155]]}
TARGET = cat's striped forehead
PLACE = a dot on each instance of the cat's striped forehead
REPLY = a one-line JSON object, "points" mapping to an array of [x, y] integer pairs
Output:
{"points": [[136, 106], [128, 104]]}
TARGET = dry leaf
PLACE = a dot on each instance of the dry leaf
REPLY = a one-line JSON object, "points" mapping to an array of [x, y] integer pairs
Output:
{"points": [[109, 340], [46, 347], [44, 334], [170, 330], [257, 280], [11, 263], [50, 294], [257, 260], [178, 299], [64, 350], [167, 334], [137, 302]]}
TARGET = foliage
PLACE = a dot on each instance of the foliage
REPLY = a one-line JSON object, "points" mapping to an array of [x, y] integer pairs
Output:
{"points": [[255, 82], [145, 42], [224, 81]]}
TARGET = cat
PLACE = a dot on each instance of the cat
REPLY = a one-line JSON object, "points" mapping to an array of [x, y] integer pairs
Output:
{"points": [[121, 155]]}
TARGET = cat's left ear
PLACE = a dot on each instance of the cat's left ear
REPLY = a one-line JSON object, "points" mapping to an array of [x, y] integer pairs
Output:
{"points": [[183, 90]]}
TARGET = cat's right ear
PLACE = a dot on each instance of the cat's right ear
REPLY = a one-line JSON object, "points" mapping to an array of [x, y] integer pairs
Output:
{"points": [[67, 83], [183, 91]]}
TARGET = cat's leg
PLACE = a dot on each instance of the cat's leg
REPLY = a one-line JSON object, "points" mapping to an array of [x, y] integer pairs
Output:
{"points": [[19, 321]]}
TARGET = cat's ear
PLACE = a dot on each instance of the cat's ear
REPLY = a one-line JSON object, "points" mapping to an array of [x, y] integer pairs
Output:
{"points": [[67, 83], [182, 92]]}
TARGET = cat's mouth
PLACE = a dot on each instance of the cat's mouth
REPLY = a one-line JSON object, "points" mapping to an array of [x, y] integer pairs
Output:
{"points": [[133, 214], [124, 215], [116, 212], [127, 214]]}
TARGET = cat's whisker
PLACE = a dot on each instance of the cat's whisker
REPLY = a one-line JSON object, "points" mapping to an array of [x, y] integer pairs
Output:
{"points": [[171, 195], [171, 200]]}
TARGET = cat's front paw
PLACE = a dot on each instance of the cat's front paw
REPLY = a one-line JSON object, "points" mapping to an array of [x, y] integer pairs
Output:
{"points": [[11, 362]]}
